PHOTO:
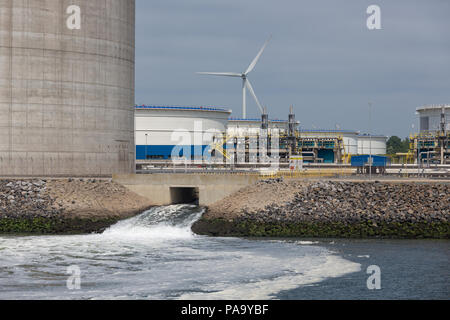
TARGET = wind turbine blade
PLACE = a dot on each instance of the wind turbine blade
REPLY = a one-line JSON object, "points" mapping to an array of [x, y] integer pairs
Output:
{"points": [[250, 88], [255, 61], [225, 74]]}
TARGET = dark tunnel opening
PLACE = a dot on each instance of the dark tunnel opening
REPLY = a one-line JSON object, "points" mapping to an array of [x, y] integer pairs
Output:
{"points": [[179, 195]]}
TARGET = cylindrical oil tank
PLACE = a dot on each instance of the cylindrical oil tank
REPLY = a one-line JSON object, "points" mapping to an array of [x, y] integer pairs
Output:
{"points": [[376, 145], [164, 132], [244, 127], [431, 117], [350, 139], [67, 87]]}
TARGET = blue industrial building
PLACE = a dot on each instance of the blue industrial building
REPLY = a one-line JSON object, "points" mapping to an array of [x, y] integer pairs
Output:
{"points": [[363, 160], [362, 163]]}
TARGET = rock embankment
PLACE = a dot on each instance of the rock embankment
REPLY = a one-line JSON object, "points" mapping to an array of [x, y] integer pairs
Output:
{"points": [[332, 209], [65, 205]]}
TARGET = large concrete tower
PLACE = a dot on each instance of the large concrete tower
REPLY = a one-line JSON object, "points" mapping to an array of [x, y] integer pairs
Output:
{"points": [[67, 87]]}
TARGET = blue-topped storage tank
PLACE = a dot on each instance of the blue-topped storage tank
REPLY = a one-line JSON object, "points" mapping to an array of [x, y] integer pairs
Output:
{"points": [[168, 132]]}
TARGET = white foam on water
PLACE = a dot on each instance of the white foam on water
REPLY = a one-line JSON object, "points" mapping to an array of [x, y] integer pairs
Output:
{"points": [[156, 224], [139, 233], [265, 289], [156, 256], [306, 242]]}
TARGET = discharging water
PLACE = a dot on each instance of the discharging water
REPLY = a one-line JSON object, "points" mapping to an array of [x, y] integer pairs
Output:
{"points": [[156, 256]]}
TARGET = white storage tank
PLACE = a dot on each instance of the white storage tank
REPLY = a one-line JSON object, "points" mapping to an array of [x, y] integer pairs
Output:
{"points": [[349, 137], [430, 117], [375, 143], [67, 87], [165, 132], [245, 127]]}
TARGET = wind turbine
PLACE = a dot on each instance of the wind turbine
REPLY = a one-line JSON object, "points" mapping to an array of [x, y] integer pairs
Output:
{"points": [[245, 81]]}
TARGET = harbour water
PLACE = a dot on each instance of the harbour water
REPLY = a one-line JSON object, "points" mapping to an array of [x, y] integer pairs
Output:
{"points": [[156, 256]]}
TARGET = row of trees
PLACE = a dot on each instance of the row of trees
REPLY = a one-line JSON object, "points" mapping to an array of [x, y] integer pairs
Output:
{"points": [[397, 145]]}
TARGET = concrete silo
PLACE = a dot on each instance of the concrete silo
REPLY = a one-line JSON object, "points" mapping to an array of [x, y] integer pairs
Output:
{"points": [[66, 87]]}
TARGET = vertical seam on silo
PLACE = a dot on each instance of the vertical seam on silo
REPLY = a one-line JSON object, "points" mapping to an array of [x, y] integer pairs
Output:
{"points": [[72, 84], [103, 65], [10, 81], [27, 57]]}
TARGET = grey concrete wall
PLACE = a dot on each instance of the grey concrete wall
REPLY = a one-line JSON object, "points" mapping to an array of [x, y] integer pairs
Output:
{"points": [[212, 188], [66, 96]]}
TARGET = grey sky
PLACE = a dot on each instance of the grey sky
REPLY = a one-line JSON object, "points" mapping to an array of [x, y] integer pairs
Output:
{"points": [[322, 58]]}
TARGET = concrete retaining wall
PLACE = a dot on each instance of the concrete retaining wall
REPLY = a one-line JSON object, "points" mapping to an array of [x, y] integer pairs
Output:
{"points": [[212, 188]]}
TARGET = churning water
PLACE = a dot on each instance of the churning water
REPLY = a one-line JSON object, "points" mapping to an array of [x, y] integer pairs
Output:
{"points": [[156, 256]]}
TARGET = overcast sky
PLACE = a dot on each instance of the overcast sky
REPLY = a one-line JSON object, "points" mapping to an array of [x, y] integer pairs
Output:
{"points": [[322, 58]]}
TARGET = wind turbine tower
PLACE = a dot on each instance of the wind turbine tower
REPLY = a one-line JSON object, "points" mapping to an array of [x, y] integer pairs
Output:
{"points": [[246, 85]]}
